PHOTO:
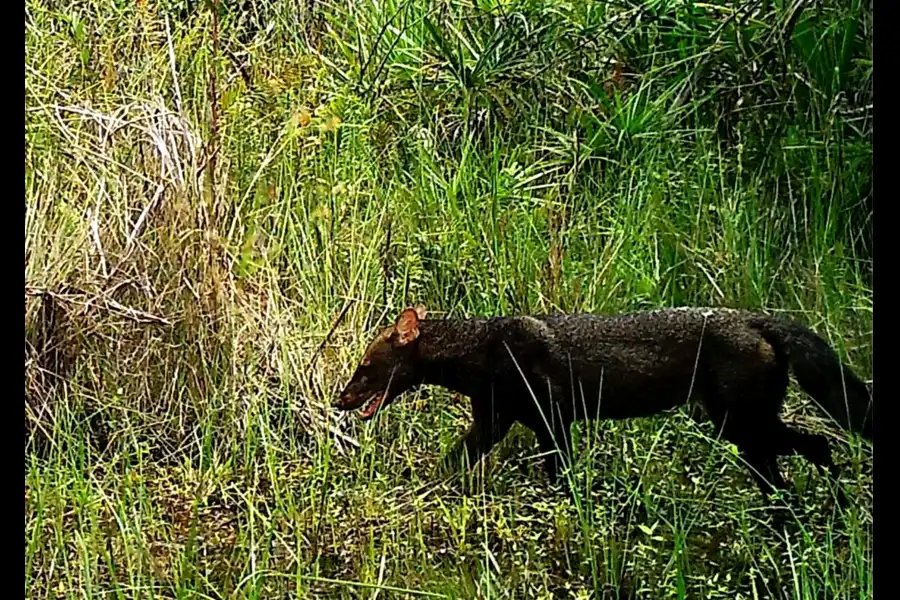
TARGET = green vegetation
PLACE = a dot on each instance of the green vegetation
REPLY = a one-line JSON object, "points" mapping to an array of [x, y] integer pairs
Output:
{"points": [[221, 207]]}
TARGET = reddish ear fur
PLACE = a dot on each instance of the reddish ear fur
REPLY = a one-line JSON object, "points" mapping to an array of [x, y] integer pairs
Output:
{"points": [[407, 326]]}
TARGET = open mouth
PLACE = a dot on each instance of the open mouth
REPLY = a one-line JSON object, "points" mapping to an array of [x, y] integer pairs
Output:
{"points": [[371, 406]]}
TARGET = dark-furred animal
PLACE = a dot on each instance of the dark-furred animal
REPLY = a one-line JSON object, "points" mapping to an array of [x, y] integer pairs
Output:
{"points": [[547, 371]]}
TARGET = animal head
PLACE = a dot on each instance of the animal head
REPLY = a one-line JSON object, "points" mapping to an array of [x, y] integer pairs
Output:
{"points": [[387, 369]]}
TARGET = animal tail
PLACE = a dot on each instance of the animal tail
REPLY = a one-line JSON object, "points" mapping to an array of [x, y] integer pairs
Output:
{"points": [[834, 387]]}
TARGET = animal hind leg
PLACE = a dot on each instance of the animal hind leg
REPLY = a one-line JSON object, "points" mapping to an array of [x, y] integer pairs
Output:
{"points": [[763, 468], [744, 406], [814, 448], [757, 440]]}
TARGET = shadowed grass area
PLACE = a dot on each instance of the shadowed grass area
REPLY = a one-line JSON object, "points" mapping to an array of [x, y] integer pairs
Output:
{"points": [[224, 200]]}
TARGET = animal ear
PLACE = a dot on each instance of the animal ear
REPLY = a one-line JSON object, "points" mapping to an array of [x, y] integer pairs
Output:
{"points": [[421, 311], [406, 329]]}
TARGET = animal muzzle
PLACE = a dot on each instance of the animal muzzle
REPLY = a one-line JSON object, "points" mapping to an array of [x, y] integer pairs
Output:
{"points": [[347, 401]]}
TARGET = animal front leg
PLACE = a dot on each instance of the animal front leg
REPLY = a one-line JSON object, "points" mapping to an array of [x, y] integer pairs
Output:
{"points": [[480, 440], [464, 449], [551, 456], [554, 444], [697, 414]]}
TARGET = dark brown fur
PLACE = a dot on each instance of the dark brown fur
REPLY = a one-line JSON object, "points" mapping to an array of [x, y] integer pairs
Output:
{"points": [[547, 371]]}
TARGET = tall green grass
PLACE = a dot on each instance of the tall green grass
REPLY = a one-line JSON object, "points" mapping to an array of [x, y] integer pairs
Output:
{"points": [[224, 200]]}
